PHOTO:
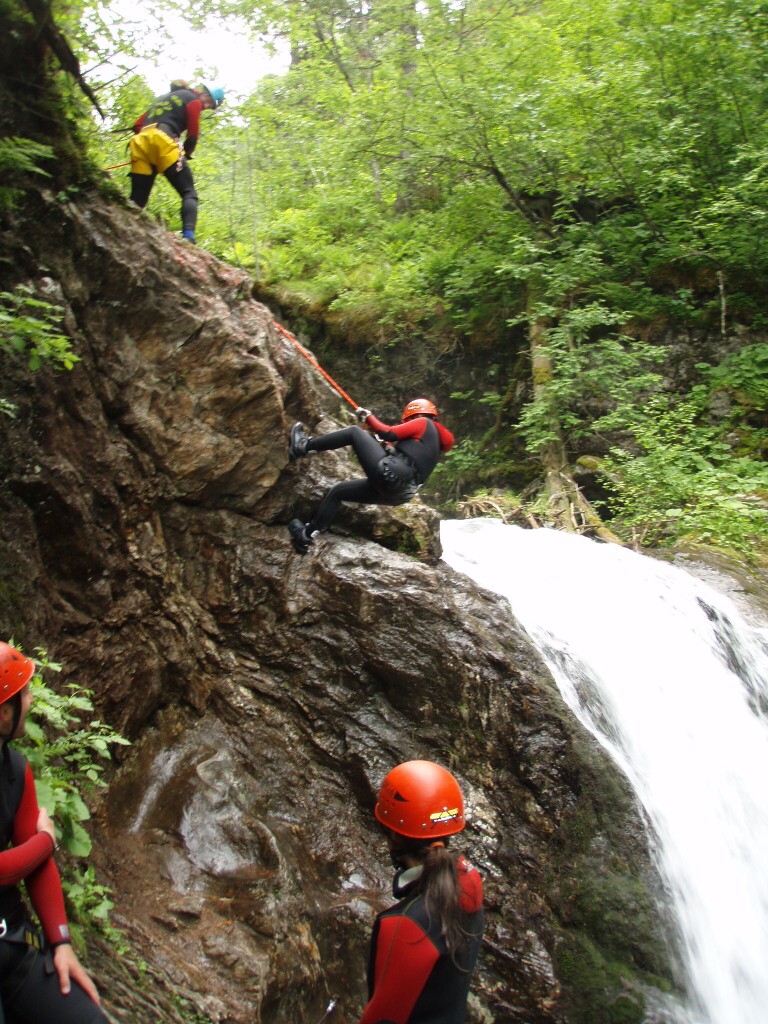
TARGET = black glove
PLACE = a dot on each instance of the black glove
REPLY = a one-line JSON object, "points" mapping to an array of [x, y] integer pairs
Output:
{"points": [[189, 147], [362, 414]]}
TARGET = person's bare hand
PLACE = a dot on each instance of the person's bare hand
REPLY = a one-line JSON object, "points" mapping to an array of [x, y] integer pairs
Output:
{"points": [[45, 824], [69, 969]]}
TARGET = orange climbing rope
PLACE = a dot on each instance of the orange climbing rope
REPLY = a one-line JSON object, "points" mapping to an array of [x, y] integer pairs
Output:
{"points": [[311, 359]]}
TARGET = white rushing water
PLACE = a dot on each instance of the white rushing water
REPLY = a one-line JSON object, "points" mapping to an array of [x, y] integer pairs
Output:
{"points": [[672, 681]]}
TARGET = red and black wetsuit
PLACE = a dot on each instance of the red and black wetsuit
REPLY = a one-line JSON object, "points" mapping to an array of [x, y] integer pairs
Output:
{"points": [[412, 978], [29, 990], [174, 113], [420, 439], [390, 478]]}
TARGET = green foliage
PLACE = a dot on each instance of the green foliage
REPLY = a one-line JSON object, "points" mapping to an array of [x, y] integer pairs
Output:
{"points": [[592, 380], [91, 902], [744, 376], [67, 751], [463, 462], [685, 483], [457, 174], [18, 158], [66, 754], [32, 326]]}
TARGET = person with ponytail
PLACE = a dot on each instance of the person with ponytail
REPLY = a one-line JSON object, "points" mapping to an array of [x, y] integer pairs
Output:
{"points": [[41, 979], [425, 947]]}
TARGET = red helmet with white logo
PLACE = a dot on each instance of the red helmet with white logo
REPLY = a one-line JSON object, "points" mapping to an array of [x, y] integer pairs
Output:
{"points": [[15, 671], [421, 800], [419, 407]]}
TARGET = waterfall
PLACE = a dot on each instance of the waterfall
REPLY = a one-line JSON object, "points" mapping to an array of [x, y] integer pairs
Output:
{"points": [[672, 681]]}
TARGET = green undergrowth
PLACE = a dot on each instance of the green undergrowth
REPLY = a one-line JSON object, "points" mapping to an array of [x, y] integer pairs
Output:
{"points": [[68, 749], [31, 329]]}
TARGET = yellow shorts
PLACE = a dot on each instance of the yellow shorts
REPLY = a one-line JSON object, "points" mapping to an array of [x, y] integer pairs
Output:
{"points": [[153, 150]]}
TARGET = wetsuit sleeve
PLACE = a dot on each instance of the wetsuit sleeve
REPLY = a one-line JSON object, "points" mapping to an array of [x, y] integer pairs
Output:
{"points": [[404, 960], [413, 427], [30, 848], [41, 874], [376, 425], [446, 437], [194, 109]]}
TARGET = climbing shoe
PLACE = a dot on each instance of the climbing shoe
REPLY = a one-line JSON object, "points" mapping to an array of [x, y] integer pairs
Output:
{"points": [[300, 536], [297, 447]]}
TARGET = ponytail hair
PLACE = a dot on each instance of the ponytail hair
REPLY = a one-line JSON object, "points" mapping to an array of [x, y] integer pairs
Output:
{"points": [[439, 885]]}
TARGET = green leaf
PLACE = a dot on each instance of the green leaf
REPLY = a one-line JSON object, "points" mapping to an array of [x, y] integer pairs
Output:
{"points": [[77, 841]]}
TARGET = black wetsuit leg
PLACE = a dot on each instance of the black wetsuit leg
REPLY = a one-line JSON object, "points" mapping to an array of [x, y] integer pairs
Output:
{"points": [[360, 491], [367, 449], [141, 186], [371, 491], [39, 1000], [184, 184]]}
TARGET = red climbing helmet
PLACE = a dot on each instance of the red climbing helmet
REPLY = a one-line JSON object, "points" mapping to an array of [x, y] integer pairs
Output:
{"points": [[15, 671], [419, 407], [421, 800]]}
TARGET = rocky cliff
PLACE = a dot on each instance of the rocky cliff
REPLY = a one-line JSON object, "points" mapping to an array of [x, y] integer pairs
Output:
{"points": [[143, 542]]}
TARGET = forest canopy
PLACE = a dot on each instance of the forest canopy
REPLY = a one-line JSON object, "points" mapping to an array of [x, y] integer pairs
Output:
{"points": [[576, 191]]}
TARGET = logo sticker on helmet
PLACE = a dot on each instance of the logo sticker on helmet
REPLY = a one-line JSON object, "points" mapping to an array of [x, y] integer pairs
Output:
{"points": [[444, 815]]}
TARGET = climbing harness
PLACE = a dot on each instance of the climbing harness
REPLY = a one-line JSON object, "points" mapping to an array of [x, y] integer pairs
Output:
{"points": [[311, 359], [23, 934], [397, 474]]}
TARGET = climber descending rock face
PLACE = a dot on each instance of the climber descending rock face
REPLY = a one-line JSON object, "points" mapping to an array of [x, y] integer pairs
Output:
{"points": [[396, 462]]}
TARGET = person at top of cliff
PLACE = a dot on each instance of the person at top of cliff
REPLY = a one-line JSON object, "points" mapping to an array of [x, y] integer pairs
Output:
{"points": [[396, 462], [424, 948], [41, 978], [156, 146]]}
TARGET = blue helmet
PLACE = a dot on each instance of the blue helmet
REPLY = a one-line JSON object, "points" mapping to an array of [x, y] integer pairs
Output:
{"points": [[216, 94]]}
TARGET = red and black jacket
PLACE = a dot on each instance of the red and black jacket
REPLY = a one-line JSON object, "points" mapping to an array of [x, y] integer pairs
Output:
{"points": [[29, 856], [173, 113], [421, 439], [412, 978]]}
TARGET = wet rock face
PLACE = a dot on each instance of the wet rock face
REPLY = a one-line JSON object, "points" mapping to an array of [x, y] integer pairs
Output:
{"points": [[143, 542]]}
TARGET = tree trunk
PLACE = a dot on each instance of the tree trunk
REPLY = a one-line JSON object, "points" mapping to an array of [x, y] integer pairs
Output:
{"points": [[567, 506]]}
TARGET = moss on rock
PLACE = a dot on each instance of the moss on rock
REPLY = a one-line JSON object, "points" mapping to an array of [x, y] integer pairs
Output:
{"points": [[598, 990]]}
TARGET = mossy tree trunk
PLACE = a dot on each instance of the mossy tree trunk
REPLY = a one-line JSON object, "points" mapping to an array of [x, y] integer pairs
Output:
{"points": [[567, 506]]}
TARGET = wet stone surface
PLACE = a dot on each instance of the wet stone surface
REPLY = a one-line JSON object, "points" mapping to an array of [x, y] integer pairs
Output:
{"points": [[143, 542]]}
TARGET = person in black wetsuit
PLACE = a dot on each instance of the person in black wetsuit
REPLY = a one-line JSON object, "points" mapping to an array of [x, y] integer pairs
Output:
{"points": [[41, 979], [424, 948], [156, 146], [393, 474]]}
